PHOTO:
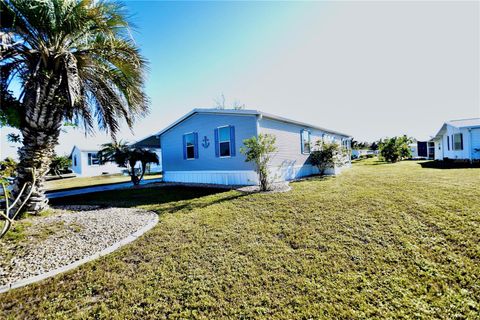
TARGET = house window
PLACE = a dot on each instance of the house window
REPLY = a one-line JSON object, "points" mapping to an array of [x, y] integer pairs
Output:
{"points": [[93, 159], [458, 141], [75, 160], [448, 143], [224, 141], [305, 141], [190, 146]]}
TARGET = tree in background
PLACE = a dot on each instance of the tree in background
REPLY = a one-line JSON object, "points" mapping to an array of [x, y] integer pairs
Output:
{"points": [[74, 61], [327, 155], [127, 157], [395, 149], [60, 165], [220, 104], [259, 151], [8, 168]]}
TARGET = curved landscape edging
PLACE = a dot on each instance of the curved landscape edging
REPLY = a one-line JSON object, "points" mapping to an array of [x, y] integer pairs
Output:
{"points": [[132, 237]]}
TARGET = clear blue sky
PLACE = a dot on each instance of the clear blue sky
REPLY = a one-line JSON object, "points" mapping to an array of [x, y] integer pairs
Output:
{"points": [[371, 69]]}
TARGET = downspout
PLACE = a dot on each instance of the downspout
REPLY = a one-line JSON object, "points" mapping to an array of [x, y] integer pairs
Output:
{"points": [[471, 144]]}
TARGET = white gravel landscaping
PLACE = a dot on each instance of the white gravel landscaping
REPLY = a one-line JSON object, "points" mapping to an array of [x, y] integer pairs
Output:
{"points": [[274, 188], [65, 237]]}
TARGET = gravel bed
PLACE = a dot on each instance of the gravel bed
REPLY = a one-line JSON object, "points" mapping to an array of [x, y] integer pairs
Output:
{"points": [[274, 188], [64, 237]]}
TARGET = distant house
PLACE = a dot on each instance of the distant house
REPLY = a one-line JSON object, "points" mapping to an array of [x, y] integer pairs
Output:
{"points": [[359, 153], [204, 146], [420, 149], [457, 139], [85, 163]]}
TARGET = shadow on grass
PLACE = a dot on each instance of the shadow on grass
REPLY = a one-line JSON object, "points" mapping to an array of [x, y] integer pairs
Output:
{"points": [[450, 164], [370, 162], [316, 177], [156, 196]]}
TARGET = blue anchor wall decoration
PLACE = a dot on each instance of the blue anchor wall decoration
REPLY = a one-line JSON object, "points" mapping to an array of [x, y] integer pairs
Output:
{"points": [[205, 142]]}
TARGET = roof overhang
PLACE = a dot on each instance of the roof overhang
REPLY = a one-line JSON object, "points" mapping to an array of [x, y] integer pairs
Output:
{"points": [[148, 142], [247, 112]]}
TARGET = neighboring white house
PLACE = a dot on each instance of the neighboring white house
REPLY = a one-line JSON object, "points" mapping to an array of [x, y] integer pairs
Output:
{"points": [[85, 163], [419, 150], [357, 153], [457, 139], [204, 146]]}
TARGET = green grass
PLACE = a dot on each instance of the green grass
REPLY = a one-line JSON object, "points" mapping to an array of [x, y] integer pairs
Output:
{"points": [[378, 241], [72, 183]]}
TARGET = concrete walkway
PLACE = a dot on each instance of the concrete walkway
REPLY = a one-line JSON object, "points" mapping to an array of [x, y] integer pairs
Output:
{"points": [[107, 187]]}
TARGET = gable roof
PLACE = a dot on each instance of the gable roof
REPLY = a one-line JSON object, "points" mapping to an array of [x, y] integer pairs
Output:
{"points": [[83, 149], [464, 123], [247, 112], [461, 123]]}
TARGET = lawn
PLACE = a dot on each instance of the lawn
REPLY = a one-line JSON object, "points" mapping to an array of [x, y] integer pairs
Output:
{"points": [[378, 241], [73, 183]]}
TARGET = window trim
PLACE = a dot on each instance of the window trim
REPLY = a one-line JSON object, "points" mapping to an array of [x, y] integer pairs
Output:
{"points": [[460, 142], [90, 157], [302, 146], [229, 142], [186, 146]]}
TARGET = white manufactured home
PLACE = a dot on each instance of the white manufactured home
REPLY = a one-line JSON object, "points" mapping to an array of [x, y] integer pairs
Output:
{"points": [[85, 163], [458, 140], [204, 147]]}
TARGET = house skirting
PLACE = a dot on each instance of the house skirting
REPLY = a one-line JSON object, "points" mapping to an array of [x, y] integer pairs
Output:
{"points": [[287, 173], [245, 177], [237, 177]]}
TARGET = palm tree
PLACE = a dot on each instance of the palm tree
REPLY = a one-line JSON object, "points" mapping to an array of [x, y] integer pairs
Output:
{"points": [[75, 61], [128, 157]]}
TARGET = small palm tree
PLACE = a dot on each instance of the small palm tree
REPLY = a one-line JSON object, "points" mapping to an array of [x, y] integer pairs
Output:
{"points": [[75, 61], [127, 157]]}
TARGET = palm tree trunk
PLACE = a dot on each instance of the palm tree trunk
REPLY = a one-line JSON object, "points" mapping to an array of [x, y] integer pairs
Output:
{"points": [[36, 152], [133, 174], [40, 128], [144, 169]]}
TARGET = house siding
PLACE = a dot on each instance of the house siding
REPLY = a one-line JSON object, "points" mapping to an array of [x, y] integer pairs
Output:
{"points": [[77, 161], [288, 162], [441, 146], [208, 168], [475, 138]]}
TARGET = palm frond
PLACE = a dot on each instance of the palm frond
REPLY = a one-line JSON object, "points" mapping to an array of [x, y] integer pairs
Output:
{"points": [[85, 46]]}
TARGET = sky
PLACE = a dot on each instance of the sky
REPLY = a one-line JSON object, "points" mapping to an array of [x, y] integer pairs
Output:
{"points": [[370, 69]]}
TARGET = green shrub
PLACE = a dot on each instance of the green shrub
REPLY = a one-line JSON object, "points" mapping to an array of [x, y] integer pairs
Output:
{"points": [[327, 155], [259, 151], [395, 149]]}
